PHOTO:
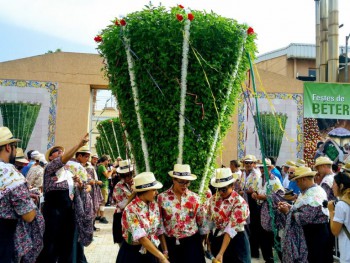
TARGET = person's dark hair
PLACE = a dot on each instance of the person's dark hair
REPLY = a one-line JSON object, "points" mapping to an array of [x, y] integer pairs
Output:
{"points": [[29, 154], [80, 153], [124, 175], [334, 168], [273, 161], [103, 158], [342, 178], [235, 163], [279, 169], [319, 144]]}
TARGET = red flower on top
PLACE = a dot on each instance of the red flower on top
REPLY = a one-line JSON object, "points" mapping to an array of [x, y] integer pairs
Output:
{"points": [[250, 31], [190, 16], [181, 6], [116, 22], [122, 22], [98, 39], [179, 17]]}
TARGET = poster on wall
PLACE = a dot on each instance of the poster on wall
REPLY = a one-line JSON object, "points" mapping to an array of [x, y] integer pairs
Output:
{"points": [[326, 121]]}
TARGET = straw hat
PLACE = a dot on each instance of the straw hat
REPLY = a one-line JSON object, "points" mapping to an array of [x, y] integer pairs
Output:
{"points": [[260, 164], [250, 158], [301, 172], [300, 163], [48, 152], [182, 171], [145, 181], [289, 163], [6, 136], [94, 156], [346, 167], [323, 160], [125, 166], [223, 177], [84, 149], [20, 156]]}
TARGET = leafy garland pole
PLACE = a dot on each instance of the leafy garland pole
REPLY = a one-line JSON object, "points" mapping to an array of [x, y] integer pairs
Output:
{"points": [[115, 137]]}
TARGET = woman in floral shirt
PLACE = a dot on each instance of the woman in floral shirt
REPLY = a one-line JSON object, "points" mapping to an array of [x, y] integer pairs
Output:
{"points": [[141, 224], [228, 212], [121, 194], [184, 218]]}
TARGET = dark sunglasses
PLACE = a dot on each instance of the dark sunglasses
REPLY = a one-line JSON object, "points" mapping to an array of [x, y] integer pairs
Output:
{"points": [[248, 162], [291, 173], [183, 182], [223, 189]]}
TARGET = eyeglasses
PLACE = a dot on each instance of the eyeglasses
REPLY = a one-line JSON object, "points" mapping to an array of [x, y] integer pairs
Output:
{"points": [[223, 189], [248, 162], [291, 173], [14, 145], [183, 182]]}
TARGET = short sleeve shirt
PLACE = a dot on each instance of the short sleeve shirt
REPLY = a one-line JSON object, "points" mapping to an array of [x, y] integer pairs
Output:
{"points": [[342, 215], [100, 170]]}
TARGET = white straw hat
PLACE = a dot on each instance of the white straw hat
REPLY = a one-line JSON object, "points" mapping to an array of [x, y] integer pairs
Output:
{"points": [[303, 171], [6, 136], [145, 181], [125, 166], [223, 177], [323, 160], [84, 149], [182, 171]]}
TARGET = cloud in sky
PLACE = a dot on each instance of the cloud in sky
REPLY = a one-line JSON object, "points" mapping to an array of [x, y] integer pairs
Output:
{"points": [[277, 22]]}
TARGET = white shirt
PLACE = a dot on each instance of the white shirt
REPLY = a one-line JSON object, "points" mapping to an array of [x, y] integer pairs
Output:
{"points": [[342, 215], [286, 181]]}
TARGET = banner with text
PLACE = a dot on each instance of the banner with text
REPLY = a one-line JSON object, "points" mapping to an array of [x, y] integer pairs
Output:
{"points": [[326, 100]]}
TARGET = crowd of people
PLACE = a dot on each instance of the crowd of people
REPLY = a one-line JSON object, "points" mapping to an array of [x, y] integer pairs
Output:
{"points": [[50, 202]]}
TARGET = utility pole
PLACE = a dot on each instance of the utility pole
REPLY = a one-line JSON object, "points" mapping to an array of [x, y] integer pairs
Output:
{"points": [[346, 57]]}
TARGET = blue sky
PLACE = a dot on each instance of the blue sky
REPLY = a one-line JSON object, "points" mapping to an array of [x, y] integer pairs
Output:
{"points": [[30, 28]]}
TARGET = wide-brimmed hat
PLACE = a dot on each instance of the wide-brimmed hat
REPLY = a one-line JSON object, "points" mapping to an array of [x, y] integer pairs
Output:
{"points": [[145, 181], [346, 167], [20, 156], [289, 163], [249, 157], [300, 163], [223, 177], [182, 171], [323, 160], [267, 161], [94, 156], [125, 166], [48, 152], [301, 172], [6, 136], [84, 149]]}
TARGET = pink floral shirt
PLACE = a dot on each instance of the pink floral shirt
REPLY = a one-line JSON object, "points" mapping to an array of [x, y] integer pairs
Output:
{"points": [[121, 193], [141, 220], [228, 215], [182, 218]]}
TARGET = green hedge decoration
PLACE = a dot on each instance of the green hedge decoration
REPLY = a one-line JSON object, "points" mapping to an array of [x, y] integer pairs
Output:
{"points": [[114, 142], [273, 127], [20, 118], [216, 68]]}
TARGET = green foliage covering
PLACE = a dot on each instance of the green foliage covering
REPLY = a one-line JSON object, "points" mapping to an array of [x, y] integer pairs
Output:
{"points": [[111, 138], [156, 38], [20, 118], [272, 126]]}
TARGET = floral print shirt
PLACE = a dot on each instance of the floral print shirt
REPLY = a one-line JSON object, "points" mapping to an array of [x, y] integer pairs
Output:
{"points": [[251, 180], [35, 176], [121, 194], [141, 220], [50, 179], [182, 218], [228, 215]]}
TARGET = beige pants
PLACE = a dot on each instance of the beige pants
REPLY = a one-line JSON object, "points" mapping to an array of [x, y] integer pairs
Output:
{"points": [[104, 192]]}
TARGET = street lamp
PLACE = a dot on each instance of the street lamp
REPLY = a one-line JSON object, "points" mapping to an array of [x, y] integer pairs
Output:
{"points": [[346, 57]]}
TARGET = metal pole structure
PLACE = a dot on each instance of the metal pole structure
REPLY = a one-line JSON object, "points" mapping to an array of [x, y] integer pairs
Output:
{"points": [[333, 32], [346, 57], [318, 39]]}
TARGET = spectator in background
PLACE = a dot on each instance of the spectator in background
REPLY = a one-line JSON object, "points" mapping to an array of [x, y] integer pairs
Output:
{"points": [[293, 184], [31, 162], [21, 161], [323, 166], [274, 171], [319, 151], [285, 168], [35, 174]]}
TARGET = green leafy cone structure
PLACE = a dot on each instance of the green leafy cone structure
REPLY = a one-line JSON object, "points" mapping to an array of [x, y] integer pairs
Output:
{"points": [[273, 128], [217, 65], [113, 137], [20, 118]]}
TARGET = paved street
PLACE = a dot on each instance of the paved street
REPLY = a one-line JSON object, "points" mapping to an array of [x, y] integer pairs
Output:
{"points": [[103, 250]]}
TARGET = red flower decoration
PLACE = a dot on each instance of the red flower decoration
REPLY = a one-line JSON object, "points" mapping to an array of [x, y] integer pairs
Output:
{"points": [[181, 6], [190, 16], [122, 22], [117, 23], [98, 39], [179, 17], [250, 31]]}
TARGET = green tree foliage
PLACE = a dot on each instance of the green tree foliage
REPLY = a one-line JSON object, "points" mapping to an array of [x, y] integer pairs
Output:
{"points": [[156, 39]]}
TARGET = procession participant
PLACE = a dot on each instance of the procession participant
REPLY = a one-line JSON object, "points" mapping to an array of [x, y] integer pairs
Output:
{"points": [[292, 183], [274, 169], [227, 213], [104, 173], [58, 207], [273, 189], [235, 168], [183, 218], [340, 218], [94, 160], [29, 165], [141, 223], [306, 234], [121, 193], [251, 176], [285, 168], [35, 175], [21, 161], [323, 166], [300, 163], [17, 209]]}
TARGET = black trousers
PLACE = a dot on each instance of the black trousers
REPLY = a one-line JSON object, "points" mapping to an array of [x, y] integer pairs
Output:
{"points": [[238, 250], [254, 226], [59, 228], [130, 254], [190, 249], [117, 228], [7, 245]]}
